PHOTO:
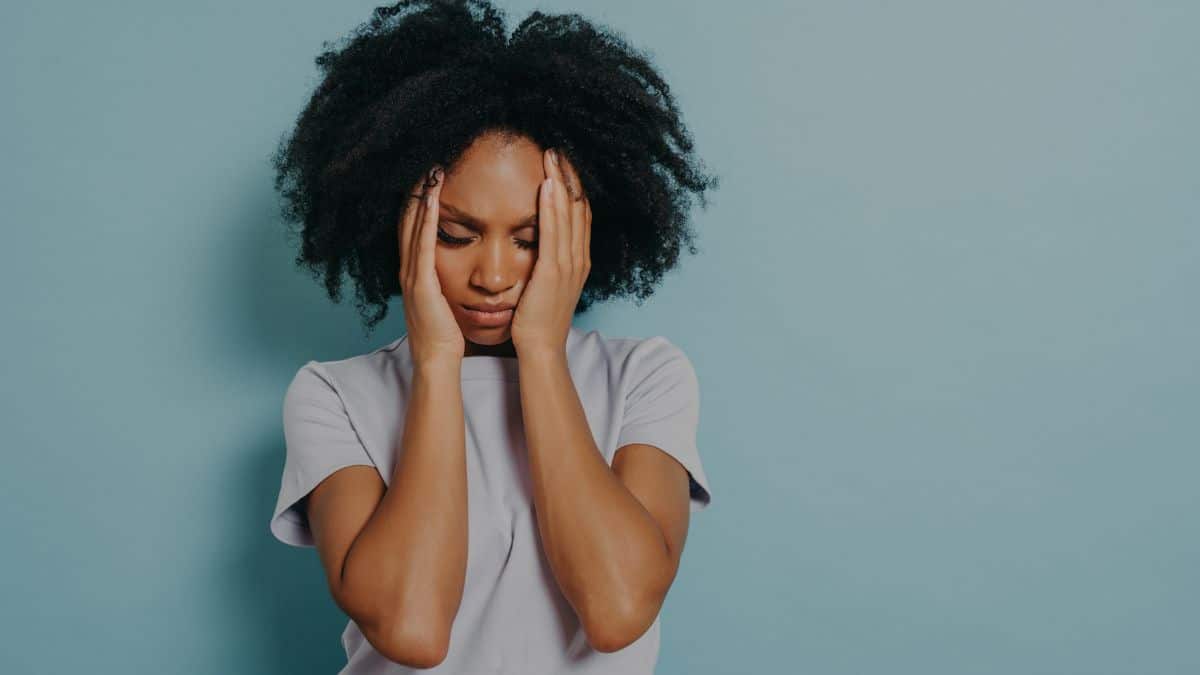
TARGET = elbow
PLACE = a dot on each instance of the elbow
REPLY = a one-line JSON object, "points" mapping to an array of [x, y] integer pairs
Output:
{"points": [[613, 631], [607, 642], [410, 645], [612, 637], [410, 638], [404, 640]]}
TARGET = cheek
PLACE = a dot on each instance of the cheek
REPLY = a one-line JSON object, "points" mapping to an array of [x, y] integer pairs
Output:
{"points": [[446, 267], [528, 262]]}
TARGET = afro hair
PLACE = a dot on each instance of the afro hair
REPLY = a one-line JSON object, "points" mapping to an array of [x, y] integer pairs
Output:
{"points": [[415, 85]]}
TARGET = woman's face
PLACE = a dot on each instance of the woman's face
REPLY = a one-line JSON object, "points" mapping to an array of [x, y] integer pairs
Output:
{"points": [[489, 202]]}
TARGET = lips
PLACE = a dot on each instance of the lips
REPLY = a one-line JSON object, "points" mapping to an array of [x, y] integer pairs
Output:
{"points": [[490, 308], [489, 316]]}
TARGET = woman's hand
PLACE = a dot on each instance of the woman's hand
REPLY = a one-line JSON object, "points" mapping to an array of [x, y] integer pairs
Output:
{"points": [[542, 319], [433, 333]]}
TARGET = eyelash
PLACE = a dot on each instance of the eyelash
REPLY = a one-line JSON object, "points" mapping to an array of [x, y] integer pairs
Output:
{"points": [[460, 241]]}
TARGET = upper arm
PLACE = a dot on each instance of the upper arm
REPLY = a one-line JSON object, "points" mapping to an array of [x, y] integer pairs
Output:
{"points": [[320, 439], [330, 485], [661, 484], [657, 458], [329, 491], [662, 410], [338, 508]]}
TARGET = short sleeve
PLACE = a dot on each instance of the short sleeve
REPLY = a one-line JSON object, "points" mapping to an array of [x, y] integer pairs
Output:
{"points": [[662, 408], [320, 439]]}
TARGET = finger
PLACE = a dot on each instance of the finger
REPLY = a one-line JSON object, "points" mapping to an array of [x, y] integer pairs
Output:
{"points": [[420, 230], [548, 220], [562, 215], [587, 233], [579, 197], [576, 244], [576, 212], [547, 228], [412, 204], [414, 236], [571, 178], [429, 229]]}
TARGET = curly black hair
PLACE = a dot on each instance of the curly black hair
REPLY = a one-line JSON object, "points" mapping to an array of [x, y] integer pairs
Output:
{"points": [[415, 85]]}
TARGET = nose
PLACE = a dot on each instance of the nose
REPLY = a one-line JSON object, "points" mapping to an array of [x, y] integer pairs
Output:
{"points": [[496, 269]]}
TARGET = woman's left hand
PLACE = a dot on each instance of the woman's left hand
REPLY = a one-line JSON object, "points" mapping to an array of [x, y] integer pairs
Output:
{"points": [[542, 319]]}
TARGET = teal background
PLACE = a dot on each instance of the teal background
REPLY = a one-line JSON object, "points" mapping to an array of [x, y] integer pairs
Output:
{"points": [[944, 320]]}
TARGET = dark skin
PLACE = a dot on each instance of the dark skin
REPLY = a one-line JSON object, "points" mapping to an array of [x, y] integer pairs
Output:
{"points": [[493, 187], [396, 558], [613, 535]]}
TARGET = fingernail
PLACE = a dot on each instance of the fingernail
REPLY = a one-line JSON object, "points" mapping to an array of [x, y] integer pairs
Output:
{"points": [[554, 156]]}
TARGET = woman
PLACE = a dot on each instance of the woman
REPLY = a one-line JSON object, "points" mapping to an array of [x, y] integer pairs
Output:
{"points": [[496, 491]]}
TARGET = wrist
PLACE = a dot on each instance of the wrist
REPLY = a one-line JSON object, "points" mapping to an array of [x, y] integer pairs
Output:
{"points": [[439, 366], [541, 353]]}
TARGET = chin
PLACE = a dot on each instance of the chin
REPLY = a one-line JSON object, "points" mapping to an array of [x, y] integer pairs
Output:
{"points": [[487, 336]]}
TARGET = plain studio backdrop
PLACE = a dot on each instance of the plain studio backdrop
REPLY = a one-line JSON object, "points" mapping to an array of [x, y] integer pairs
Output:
{"points": [[944, 319]]}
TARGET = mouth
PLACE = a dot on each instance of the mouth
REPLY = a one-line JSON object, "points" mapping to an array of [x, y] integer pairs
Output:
{"points": [[486, 317]]}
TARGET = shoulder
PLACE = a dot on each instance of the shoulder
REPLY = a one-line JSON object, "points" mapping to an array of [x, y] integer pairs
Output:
{"points": [[361, 376], [628, 357]]}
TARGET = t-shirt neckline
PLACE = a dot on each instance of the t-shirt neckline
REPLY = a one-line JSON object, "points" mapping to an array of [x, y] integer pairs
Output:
{"points": [[491, 367]]}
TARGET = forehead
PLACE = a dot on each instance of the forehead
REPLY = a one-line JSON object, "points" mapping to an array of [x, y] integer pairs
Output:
{"points": [[496, 179]]}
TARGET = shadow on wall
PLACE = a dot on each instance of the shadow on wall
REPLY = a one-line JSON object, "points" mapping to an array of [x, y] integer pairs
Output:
{"points": [[278, 589], [288, 620]]}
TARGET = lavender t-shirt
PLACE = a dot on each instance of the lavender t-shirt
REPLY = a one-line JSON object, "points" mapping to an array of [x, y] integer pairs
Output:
{"points": [[513, 618]]}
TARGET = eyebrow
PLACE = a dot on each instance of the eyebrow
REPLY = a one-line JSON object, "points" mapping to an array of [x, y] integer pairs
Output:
{"points": [[477, 224]]}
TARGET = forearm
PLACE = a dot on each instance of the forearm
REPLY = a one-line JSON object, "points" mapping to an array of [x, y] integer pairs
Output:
{"points": [[410, 559], [607, 553]]}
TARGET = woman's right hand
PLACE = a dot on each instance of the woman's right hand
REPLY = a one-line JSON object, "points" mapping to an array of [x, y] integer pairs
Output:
{"points": [[433, 333]]}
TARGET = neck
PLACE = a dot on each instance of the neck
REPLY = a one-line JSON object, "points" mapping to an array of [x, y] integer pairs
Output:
{"points": [[503, 349]]}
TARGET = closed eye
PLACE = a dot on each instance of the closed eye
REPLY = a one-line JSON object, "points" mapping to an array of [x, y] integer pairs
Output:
{"points": [[451, 240]]}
